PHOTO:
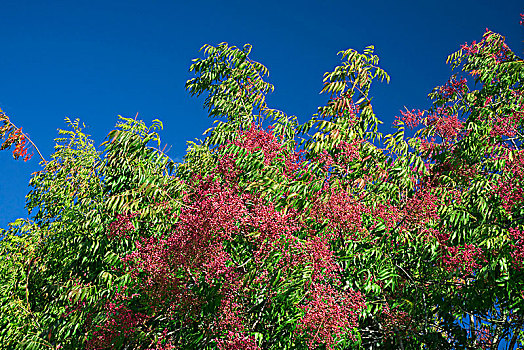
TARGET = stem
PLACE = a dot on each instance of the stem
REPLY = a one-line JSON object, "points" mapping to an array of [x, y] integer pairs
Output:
{"points": [[515, 336], [27, 283], [399, 337], [472, 327], [162, 153]]}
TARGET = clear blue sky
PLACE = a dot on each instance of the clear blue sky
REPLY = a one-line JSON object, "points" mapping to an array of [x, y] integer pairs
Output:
{"points": [[96, 59]]}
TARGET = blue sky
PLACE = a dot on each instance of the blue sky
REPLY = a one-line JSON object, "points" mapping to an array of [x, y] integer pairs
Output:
{"points": [[94, 60]]}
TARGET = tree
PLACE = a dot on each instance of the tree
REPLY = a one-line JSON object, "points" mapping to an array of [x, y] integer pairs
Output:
{"points": [[273, 234]]}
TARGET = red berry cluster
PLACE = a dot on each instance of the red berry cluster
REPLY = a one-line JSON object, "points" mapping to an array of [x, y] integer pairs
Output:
{"points": [[15, 137]]}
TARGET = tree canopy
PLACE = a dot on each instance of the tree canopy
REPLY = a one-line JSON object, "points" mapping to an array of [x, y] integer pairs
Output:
{"points": [[276, 234]]}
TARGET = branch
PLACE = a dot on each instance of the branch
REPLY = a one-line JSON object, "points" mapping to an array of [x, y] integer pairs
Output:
{"points": [[162, 153], [515, 336], [25, 135]]}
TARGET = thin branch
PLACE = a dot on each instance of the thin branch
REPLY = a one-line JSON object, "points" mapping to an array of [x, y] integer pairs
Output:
{"points": [[162, 152], [28, 138], [515, 336], [399, 337]]}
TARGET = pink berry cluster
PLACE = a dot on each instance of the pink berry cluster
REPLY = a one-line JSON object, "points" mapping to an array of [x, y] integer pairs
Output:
{"points": [[119, 323], [509, 188], [393, 320], [411, 118], [446, 125], [463, 259], [329, 314], [121, 226], [517, 247], [454, 87], [237, 341], [216, 212]]}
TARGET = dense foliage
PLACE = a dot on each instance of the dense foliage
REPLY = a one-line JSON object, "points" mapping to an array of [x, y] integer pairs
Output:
{"points": [[273, 234]]}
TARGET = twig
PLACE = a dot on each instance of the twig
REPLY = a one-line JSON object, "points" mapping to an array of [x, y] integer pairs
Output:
{"points": [[515, 336], [27, 137]]}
